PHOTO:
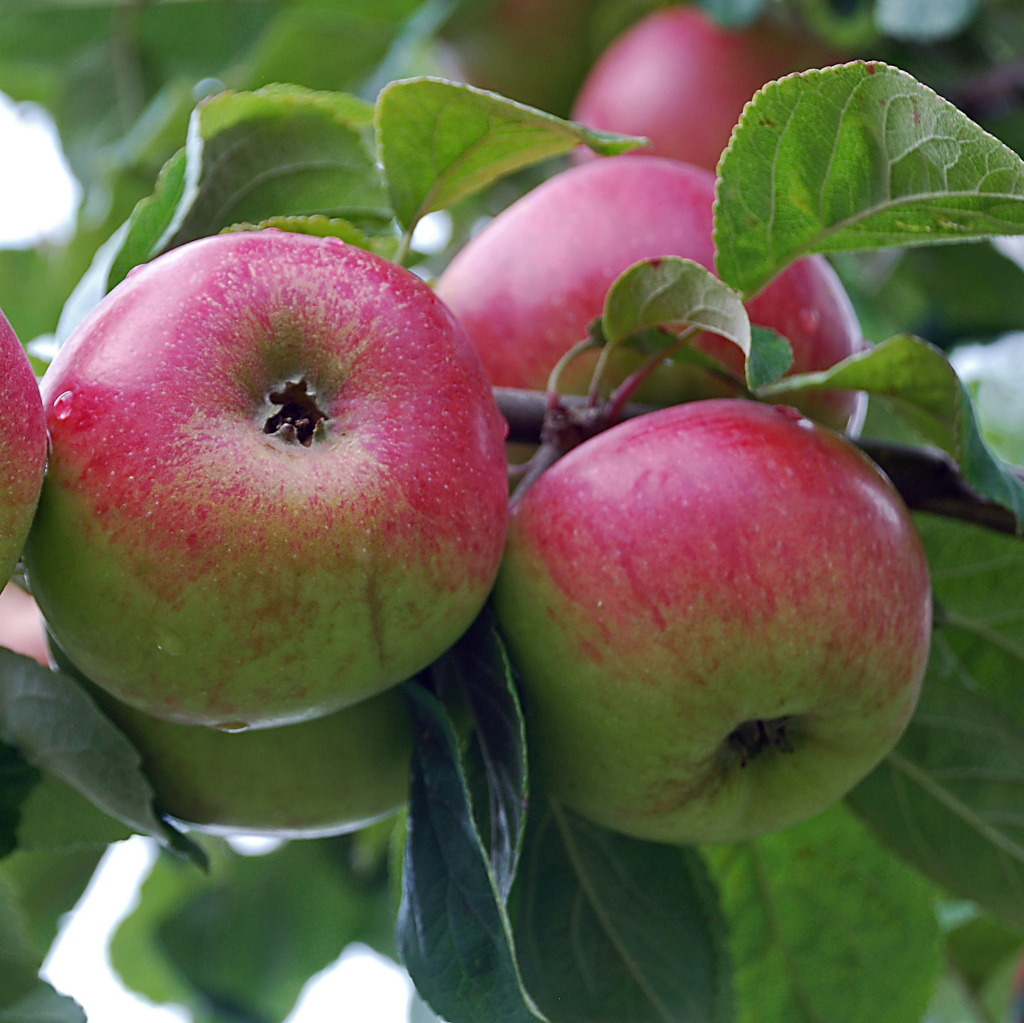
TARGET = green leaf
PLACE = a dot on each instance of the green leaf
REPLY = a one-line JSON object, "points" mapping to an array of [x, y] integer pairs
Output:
{"points": [[612, 928], [325, 227], [950, 798], [43, 1005], [58, 728], [770, 356], [56, 816], [249, 940], [280, 151], [918, 381], [923, 21], [17, 779], [453, 932], [734, 13], [673, 292], [825, 925], [480, 666], [440, 142], [856, 157]]}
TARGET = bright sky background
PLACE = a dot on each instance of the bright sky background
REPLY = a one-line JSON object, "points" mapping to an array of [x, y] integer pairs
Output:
{"points": [[38, 200]]}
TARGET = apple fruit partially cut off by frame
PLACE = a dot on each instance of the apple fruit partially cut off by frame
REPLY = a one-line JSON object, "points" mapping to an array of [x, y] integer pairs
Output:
{"points": [[528, 286], [682, 80], [316, 778], [721, 614], [277, 482], [22, 448]]}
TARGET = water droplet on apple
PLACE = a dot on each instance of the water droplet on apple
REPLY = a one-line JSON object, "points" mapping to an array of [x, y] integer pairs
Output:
{"points": [[232, 726], [62, 405], [168, 643]]}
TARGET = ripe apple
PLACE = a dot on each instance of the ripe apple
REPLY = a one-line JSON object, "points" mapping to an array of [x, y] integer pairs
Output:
{"points": [[277, 483], [529, 284], [721, 614], [534, 51], [22, 448], [682, 80], [323, 777], [22, 628]]}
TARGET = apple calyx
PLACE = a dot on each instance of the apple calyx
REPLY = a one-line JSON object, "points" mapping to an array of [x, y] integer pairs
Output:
{"points": [[299, 420], [751, 739]]}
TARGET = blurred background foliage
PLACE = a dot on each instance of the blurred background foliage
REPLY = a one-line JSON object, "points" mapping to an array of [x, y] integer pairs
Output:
{"points": [[121, 78]]}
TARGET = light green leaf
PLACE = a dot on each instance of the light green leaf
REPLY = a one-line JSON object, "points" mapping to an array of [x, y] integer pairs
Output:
{"points": [[770, 356], [856, 157], [673, 292], [43, 1005], [827, 927], [950, 798], [439, 142], [922, 387], [325, 227]]}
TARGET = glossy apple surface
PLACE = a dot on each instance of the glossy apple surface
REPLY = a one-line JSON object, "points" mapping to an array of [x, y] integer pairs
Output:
{"points": [[721, 614], [207, 554], [682, 80], [22, 448], [529, 284]]}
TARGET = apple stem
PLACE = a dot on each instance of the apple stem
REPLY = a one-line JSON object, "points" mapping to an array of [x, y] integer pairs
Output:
{"points": [[625, 390]]}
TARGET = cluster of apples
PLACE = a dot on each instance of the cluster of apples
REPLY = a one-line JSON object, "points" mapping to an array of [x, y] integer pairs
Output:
{"points": [[277, 488]]}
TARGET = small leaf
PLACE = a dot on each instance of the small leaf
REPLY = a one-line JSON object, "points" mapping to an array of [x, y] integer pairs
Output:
{"points": [[770, 356], [827, 925], [923, 21], [856, 157], [673, 292], [453, 932], [950, 798], [918, 381], [440, 142], [320, 226], [58, 728], [479, 664], [612, 928]]}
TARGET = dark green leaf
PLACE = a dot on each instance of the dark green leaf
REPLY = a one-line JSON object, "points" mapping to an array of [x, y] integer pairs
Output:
{"points": [[612, 928], [856, 157], [923, 388], [734, 13], [43, 1005], [673, 292], [950, 798], [440, 142], [479, 664], [770, 356], [923, 22], [453, 934], [825, 925], [56, 816], [17, 779], [58, 728]]}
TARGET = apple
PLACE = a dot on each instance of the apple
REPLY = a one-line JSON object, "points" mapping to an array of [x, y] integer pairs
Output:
{"points": [[277, 483], [22, 448], [316, 778], [534, 51], [527, 287], [721, 614], [682, 80], [21, 626]]}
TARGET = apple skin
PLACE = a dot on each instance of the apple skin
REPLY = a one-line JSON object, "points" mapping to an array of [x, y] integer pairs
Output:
{"points": [[308, 780], [696, 570], [682, 80], [22, 448], [527, 287], [210, 573]]}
